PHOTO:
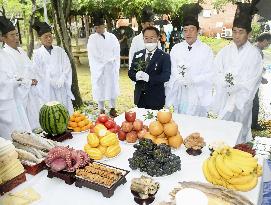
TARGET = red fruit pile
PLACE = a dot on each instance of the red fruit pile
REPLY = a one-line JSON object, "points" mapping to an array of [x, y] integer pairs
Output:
{"points": [[108, 122], [246, 148], [132, 129]]}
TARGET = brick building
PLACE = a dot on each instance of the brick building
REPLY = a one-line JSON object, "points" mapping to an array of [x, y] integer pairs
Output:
{"points": [[213, 22]]}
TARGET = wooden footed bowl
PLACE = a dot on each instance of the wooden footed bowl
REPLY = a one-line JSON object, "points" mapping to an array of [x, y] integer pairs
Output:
{"points": [[140, 201], [193, 152]]}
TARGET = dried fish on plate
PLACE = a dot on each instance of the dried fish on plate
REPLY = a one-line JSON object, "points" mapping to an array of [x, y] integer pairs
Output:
{"points": [[216, 195], [32, 148], [33, 140]]}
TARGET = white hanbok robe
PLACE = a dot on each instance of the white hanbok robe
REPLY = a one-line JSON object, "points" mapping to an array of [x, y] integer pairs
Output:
{"points": [[234, 103], [50, 69], [189, 89], [29, 95], [104, 62], [13, 113]]}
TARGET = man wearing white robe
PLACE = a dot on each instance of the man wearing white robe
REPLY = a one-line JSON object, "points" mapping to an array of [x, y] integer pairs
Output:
{"points": [[26, 94], [138, 41], [104, 60], [10, 119], [53, 68], [189, 89], [239, 71]]}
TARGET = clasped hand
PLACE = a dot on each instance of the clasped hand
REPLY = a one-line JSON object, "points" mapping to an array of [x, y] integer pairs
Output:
{"points": [[140, 75]]}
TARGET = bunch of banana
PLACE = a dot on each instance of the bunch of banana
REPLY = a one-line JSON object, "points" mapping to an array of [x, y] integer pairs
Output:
{"points": [[232, 168]]}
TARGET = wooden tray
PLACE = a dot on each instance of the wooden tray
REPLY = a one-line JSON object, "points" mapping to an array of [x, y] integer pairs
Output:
{"points": [[61, 137], [106, 192], [11, 184], [33, 170], [68, 177]]}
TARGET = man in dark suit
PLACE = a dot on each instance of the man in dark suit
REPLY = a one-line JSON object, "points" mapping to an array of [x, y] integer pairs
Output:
{"points": [[150, 69]]}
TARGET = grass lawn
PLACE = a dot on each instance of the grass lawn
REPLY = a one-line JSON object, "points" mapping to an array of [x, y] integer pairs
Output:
{"points": [[268, 50]]}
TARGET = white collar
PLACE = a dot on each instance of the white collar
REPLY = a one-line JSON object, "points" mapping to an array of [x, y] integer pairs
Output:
{"points": [[194, 44], [6, 46], [242, 47], [152, 52]]}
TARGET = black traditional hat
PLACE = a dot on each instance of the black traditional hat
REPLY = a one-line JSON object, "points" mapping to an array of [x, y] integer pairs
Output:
{"points": [[147, 15], [41, 27], [243, 21], [6, 25], [244, 15], [191, 20], [98, 19], [189, 14]]}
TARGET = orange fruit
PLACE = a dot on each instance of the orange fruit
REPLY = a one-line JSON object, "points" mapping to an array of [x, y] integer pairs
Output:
{"points": [[72, 124], [84, 128], [78, 119], [72, 118], [82, 116], [77, 129], [76, 114], [86, 121], [81, 124]]}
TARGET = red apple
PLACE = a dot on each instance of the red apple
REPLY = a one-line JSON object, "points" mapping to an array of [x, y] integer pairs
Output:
{"points": [[98, 122], [103, 118], [138, 125], [109, 124], [114, 130], [127, 126], [130, 116], [141, 133], [122, 135], [131, 137], [117, 127]]}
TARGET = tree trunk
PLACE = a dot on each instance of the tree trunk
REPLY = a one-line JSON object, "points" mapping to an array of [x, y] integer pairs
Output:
{"points": [[57, 7], [67, 8], [87, 26], [109, 24], [77, 33], [57, 36], [30, 47], [25, 29]]}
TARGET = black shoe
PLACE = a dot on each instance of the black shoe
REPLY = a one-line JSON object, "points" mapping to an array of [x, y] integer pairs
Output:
{"points": [[113, 113]]}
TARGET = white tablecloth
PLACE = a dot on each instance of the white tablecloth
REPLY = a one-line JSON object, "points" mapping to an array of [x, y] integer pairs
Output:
{"points": [[55, 191]]}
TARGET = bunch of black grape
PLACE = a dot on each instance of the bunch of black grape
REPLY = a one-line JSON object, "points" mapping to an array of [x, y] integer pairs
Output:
{"points": [[155, 160]]}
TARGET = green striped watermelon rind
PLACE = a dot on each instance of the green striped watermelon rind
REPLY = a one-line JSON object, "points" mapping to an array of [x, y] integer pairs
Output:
{"points": [[54, 118]]}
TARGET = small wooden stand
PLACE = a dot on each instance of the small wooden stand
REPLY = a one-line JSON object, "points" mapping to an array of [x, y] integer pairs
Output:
{"points": [[140, 201], [33, 170], [61, 137], [11, 184], [68, 177]]}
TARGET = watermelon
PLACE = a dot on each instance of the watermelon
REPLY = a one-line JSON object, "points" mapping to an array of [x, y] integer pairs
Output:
{"points": [[54, 118]]}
